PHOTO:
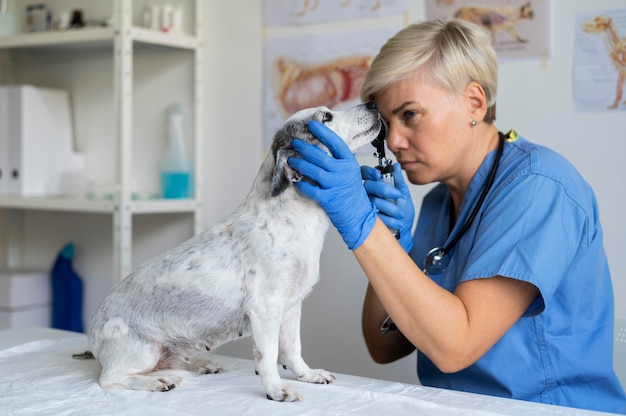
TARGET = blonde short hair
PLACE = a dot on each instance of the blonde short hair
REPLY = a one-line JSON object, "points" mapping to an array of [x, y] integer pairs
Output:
{"points": [[454, 53]]}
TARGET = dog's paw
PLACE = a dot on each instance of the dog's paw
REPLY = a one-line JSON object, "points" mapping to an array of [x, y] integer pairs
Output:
{"points": [[209, 369], [317, 376], [203, 366], [164, 380], [161, 381], [284, 393], [167, 385]]}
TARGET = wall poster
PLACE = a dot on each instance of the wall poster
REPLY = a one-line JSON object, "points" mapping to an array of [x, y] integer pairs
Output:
{"points": [[307, 66], [298, 12], [316, 69], [600, 61], [518, 28]]}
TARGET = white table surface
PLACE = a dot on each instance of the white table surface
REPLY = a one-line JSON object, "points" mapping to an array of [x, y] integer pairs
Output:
{"points": [[38, 376]]}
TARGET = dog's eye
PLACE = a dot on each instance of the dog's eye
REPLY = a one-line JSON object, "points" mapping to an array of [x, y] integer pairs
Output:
{"points": [[327, 117]]}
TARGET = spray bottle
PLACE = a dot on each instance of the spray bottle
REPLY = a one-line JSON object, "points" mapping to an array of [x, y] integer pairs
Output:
{"points": [[176, 163], [67, 293]]}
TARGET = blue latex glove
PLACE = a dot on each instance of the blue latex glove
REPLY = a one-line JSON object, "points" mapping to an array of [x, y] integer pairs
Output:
{"points": [[395, 205], [338, 186]]}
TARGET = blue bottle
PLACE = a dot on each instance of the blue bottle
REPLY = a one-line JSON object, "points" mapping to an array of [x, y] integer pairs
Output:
{"points": [[176, 179], [67, 293]]}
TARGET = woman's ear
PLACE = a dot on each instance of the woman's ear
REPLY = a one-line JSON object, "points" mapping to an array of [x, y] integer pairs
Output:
{"points": [[477, 100]]}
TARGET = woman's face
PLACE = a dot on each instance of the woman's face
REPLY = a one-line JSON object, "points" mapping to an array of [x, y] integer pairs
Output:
{"points": [[428, 129]]}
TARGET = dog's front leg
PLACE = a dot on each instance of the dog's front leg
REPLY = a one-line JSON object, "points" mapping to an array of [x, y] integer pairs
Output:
{"points": [[290, 349], [265, 325]]}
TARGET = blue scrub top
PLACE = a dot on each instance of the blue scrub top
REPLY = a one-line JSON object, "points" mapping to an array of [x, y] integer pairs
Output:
{"points": [[539, 224]]}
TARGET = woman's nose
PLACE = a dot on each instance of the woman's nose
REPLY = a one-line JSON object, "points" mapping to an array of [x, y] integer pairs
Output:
{"points": [[394, 141]]}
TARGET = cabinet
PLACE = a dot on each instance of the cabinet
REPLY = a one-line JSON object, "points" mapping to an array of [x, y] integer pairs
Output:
{"points": [[117, 46]]}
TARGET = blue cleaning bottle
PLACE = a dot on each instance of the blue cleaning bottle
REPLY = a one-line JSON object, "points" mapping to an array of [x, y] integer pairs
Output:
{"points": [[67, 293], [176, 181]]}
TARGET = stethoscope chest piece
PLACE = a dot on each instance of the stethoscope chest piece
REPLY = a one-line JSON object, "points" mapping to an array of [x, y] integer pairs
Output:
{"points": [[436, 261]]}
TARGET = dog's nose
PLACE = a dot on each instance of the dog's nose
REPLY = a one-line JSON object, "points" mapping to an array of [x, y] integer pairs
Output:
{"points": [[371, 105]]}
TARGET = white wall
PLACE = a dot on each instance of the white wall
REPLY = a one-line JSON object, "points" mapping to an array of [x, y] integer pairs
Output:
{"points": [[534, 97]]}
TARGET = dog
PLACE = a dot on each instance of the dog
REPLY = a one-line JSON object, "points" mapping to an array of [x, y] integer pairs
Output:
{"points": [[246, 275], [497, 18]]}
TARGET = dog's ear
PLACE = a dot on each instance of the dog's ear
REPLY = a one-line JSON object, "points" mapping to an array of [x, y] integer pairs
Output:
{"points": [[283, 175]]}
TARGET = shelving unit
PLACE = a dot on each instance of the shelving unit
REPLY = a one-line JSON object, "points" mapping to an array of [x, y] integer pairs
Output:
{"points": [[122, 40]]}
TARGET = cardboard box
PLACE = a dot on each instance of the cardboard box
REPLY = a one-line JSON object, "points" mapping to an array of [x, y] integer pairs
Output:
{"points": [[25, 298], [37, 155]]}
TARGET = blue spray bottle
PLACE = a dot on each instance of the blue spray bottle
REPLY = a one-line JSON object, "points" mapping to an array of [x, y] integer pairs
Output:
{"points": [[67, 293], [176, 181]]}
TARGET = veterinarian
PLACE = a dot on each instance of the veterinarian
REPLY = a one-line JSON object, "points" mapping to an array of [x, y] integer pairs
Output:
{"points": [[504, 287]]}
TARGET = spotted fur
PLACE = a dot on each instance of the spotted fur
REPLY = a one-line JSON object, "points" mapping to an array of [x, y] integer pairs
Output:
{"points": [[246, 275]]}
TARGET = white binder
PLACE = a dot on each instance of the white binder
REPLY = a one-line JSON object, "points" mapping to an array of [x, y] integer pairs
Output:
{"points": [[39, 140], [3, 144]]}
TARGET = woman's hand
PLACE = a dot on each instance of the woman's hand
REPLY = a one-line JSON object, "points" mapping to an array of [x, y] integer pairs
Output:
{"points": [[394, 204], [336, 184]]}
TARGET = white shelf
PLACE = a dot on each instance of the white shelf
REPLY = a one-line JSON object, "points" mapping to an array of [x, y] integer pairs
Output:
{"points": [[56, 204], [96, 36], [119, 42], [175, 40], [46, 39], [159, 206], [76, 204]]}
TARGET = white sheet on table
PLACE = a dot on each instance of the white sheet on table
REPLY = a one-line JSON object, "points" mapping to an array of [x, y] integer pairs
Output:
{"points": [[42, 378]]}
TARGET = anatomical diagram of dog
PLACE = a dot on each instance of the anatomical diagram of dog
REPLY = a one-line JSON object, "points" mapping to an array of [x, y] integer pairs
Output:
{"points": [[302, 85], [616, 47], [312, 5], [495, 19]]}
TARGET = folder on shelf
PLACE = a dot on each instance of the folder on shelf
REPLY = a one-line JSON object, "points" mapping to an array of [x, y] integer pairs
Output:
{"points": [[38, 141], [3, 144]]}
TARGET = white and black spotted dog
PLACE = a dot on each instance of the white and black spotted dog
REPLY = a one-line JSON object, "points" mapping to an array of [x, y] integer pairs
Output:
{"points": [[246, 275]]}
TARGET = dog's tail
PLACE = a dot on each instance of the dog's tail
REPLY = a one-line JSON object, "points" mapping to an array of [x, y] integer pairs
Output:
{"points": [[87, 355]]}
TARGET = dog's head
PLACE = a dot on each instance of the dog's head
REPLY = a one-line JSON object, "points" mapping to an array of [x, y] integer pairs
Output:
{"points": [[357, 126], [598, 25]]}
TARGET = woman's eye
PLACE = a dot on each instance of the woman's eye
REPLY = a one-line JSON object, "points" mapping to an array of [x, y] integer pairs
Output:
{"points": [[409, 114]]}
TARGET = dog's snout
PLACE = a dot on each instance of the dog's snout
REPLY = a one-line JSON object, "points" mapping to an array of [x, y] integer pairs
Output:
{"points": [[371, 105]]}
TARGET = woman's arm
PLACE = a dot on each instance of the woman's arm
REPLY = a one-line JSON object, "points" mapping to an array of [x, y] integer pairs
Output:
{"points": [[453, 329], [384, 348]]}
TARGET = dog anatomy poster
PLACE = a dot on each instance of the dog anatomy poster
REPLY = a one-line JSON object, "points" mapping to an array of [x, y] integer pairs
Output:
{"points": [[518, 28], [298, 12], [600, 61], [316, 69]]}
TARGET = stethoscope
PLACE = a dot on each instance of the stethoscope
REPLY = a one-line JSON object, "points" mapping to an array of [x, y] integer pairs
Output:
{"points": [[436, 261]]}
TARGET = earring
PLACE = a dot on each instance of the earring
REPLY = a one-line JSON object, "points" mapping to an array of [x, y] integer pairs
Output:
{"points": [[473, 122]]}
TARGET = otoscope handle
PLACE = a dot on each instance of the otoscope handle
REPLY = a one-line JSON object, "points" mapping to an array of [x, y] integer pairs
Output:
{"points": [[387, 177], [385, 166]]}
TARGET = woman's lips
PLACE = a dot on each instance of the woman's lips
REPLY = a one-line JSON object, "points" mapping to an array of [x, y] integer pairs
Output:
{"points": [[407, 163]]}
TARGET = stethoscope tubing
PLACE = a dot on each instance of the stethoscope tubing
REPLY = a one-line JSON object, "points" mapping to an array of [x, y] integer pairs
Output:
{"points": [[435, 256]]}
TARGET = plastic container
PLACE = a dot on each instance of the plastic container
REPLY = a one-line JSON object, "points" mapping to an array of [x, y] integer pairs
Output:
{"points": [[176, 178], [7, 19], [67, 293]]}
